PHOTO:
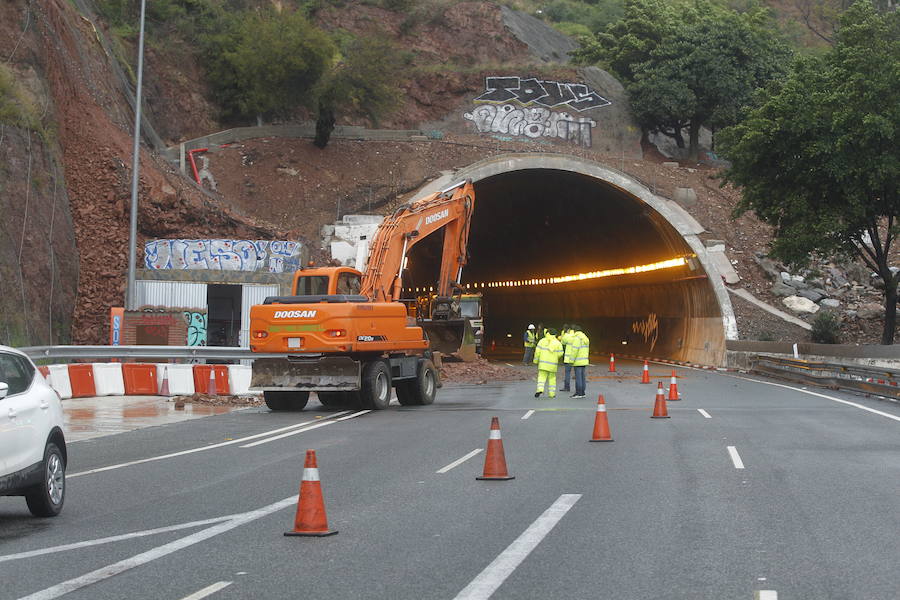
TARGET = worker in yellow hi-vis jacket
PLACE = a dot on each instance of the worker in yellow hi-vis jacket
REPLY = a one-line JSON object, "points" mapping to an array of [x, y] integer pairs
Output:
{"points": [[546, 357]]}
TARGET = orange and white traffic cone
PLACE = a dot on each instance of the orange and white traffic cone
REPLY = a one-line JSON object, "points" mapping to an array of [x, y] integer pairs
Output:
{"points": [[673, 388], [659, 409], [494, 458], [164, 386], [310, 520], [211, 388], [645, 376], [612, 363], [601, 423]]}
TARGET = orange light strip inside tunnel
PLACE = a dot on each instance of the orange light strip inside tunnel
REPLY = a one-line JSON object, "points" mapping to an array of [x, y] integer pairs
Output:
{"points": [[665, 264]]}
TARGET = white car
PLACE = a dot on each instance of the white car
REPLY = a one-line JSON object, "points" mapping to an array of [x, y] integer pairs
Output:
{"points": [[32, 445]]}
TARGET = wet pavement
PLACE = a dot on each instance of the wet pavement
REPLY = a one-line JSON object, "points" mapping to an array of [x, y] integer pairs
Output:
{"points": [[87, 418]]}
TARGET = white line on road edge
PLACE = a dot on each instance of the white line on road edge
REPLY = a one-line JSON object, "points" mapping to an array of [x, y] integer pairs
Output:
{"points": [[847, 402], [111, 539], [766, 595], [704, 413], [160, 551], [735, 457], [528, 414], [310, 428], [208, 590], [459, 461], [493, 576], [201, 449]]}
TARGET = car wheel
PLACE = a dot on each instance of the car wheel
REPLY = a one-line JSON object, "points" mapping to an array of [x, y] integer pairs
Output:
{"points": [[47, 498]]}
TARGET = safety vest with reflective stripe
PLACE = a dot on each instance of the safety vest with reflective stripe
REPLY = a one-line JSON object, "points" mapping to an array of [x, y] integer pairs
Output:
{"points": [[568, 341], [581, 346], [548, 353], [529, 338]]}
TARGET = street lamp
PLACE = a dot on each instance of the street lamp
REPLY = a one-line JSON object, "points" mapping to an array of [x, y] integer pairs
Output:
{"points": [[135, 168]]}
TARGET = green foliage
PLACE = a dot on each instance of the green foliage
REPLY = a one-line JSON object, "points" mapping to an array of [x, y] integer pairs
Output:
{"points": [[16, 109], [424, 12], [826, 328], [365, 81], [265, 63], [819, 157], [573, 30], [594, 16]]}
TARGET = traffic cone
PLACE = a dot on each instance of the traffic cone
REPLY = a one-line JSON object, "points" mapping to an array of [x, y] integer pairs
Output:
{"points": [[494, 459], [211, 388], [601, 423], [645, 377], [673, 388], [659, 409], [310, 520], [612, 363], [164, 386]]}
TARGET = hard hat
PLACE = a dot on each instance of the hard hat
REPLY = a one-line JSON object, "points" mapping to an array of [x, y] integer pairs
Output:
{"points": [[531, 326]]}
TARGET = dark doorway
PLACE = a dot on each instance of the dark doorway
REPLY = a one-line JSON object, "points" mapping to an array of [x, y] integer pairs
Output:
{"points": [[224, 302]]}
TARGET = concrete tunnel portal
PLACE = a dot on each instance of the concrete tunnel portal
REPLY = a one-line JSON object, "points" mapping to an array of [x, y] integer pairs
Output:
{"points": [[539, 216]]}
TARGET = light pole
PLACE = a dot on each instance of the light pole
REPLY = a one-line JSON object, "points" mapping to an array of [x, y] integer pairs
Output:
{"points": [[135, 168]]}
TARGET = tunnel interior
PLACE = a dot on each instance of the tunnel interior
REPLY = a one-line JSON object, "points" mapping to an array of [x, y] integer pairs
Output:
{"points": [[540, 223]]}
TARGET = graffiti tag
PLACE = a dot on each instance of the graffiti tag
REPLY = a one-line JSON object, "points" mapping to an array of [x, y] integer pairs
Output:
{"points": [[196, 328], [531, 122], [648, 329], [552, 94], [223, 255]]}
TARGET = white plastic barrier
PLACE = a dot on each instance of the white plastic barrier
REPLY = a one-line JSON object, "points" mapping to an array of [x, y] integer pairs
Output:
{"points": [[181, 378], [108, 379], [59, 380], [239, 379]]}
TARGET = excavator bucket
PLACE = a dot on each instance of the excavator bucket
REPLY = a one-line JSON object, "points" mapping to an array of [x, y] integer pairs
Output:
{"points": [[451, 336]]}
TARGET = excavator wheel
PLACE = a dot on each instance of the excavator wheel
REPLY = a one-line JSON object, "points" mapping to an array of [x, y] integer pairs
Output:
{"points": [[376, 385], [286, 400], [339, 399], [422, 389]]}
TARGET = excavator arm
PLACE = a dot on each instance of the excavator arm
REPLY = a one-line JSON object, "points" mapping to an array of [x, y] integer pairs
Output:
{"points": [[450, 209]]}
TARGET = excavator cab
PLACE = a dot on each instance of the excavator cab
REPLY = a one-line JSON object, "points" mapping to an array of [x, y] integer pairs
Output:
{"points": [[327, 281]]}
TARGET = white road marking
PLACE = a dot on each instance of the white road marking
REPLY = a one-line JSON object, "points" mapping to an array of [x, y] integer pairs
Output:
{"points": [[111, 539], [310, 428], [767, 595], [208, 590], [509, 364], [459, 461], [143, 558], [493, 576], [704, 413], [802, 391], [528, 414], [201, 449], [735, 457]]}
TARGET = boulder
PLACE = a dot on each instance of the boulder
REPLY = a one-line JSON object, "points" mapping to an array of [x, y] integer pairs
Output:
{"points": [[781, 290], [830, 303], [837, 278], [769, 268], [811, 294], [800, 305], [870, 310]]}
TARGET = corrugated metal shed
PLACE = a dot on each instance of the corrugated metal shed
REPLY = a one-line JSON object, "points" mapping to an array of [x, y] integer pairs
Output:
{"points": [[170, 294], [250, 295]]}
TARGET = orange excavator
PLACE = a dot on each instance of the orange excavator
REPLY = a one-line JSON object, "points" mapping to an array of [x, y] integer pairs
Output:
{"points": [[345, 334]]}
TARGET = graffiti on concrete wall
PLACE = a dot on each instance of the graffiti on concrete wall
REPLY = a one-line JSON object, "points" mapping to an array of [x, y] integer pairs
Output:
{"points": [[648, 329], [225, 255], [196, 328], [522, 107]]}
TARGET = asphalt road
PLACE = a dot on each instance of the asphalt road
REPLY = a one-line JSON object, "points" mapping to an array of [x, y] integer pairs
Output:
{"points": [[662, 512]]}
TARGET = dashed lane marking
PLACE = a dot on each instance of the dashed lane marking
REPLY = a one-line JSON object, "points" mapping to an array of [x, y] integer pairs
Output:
{"points": [[202, 448], [493, 576], [704, 413], [310, 428], [766, 595], [528, 414], [735, 457], [208, 590], [459, 461]]}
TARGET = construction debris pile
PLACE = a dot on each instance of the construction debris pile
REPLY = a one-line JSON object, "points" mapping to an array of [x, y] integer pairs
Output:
{"points": [[481, 371], [213, 400]]}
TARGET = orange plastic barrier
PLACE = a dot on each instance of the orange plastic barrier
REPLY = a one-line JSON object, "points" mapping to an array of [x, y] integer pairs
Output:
{"points": [[140, 379], [201, 379], [81, 378]]}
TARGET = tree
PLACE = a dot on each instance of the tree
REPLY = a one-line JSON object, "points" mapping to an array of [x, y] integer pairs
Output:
{"points": [[365, 82], [266, 63], [703, 73], [819, 157]]}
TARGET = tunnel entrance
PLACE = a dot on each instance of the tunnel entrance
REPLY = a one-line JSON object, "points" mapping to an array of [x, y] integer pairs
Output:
{"points": [[543, 216]]}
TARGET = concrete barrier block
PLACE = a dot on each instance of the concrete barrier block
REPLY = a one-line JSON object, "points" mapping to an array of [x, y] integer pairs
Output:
{"points": [[239, 378], [108, 379], [59, 380]]}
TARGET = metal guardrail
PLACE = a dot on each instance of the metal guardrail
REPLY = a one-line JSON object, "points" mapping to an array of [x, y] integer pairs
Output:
{"points": [[160, 352], [867, 380]]}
